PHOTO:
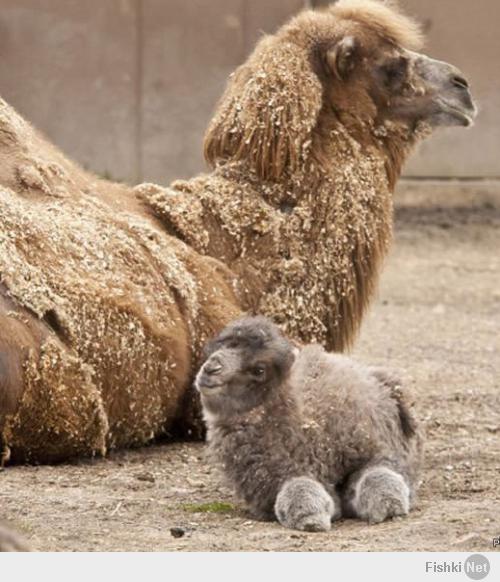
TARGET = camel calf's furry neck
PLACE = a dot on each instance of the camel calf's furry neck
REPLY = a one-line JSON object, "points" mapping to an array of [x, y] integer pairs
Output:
{"points": [[253, 479], [306, 249]]}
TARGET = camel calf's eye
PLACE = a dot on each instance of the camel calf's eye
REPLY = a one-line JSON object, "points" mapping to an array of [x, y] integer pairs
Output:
{"points": [[258, 370]]}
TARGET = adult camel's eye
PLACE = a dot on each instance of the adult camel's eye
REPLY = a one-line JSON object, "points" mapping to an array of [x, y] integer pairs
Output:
{"points": [[394, 72]]}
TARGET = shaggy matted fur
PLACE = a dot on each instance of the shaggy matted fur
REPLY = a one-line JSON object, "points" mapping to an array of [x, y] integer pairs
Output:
{"points": [[101, 313], [107, 292], [291, 436]]}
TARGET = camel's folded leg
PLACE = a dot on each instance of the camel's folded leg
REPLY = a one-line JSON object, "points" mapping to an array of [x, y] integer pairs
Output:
{"points": [[376, 493], [40, 420], [304, 504], [18, 336]]}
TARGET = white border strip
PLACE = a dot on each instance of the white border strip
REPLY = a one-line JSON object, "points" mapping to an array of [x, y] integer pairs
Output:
{"points": [[243, 567]]}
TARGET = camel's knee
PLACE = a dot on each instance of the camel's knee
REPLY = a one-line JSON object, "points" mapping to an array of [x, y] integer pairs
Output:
{"points": [[379, 493], [304, 504]]}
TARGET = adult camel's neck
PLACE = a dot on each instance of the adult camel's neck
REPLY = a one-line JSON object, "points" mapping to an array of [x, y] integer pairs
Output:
{"points": [[337, 232], [343, 144], [306, 249], [340, 149]]}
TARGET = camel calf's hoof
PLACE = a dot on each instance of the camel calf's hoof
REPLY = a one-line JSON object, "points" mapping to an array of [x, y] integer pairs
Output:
{"points": [[304, 504], [381, 493]]}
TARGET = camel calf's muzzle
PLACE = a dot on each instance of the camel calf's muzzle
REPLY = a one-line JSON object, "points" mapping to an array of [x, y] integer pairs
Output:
{"points": [[217, 369]]}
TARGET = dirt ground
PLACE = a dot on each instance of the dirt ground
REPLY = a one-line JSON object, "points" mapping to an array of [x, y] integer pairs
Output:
{"points": [[436, 320]]}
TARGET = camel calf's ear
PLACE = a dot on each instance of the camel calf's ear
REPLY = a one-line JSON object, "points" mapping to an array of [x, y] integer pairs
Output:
{"points": [[341, 58]]}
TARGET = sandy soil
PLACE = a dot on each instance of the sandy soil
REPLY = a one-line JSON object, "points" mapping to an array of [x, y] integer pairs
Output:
{"points": [[436, 321]]}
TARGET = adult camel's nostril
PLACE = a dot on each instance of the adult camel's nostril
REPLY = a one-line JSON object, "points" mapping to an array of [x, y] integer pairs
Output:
{"points": [[459, 82]]}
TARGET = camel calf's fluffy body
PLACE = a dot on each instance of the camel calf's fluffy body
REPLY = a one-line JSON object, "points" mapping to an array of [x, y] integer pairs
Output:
{"points": [[107, 292], [307, 438]]}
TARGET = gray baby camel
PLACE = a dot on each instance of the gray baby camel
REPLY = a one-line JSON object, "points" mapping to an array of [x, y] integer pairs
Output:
{"points": [[305, 436]]}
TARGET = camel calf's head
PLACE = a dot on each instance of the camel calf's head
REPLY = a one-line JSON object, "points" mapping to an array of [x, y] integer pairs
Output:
{"points": [[243, 365], [352, 64]]}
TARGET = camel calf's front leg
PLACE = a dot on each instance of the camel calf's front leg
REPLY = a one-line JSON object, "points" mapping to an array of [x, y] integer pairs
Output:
{"points": [[304, 504]]}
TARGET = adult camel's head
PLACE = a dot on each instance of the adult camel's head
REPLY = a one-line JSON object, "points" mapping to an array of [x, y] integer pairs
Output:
{"points": [[353, 63], [371, 57]]}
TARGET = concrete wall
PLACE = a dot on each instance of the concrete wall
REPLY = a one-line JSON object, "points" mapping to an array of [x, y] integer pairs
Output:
{"points": [[71, 68], [189, 49], [127, 87], [464, 33]]}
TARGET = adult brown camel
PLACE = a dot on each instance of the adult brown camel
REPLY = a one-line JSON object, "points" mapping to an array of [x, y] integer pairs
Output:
{"points": [[107, 292]]}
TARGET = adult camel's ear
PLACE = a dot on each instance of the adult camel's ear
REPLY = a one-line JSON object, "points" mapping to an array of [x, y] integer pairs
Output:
{"points": [[341, 58]]}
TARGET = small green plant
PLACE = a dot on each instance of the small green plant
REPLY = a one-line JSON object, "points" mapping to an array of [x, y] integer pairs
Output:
{"points": [[211, 507]]}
